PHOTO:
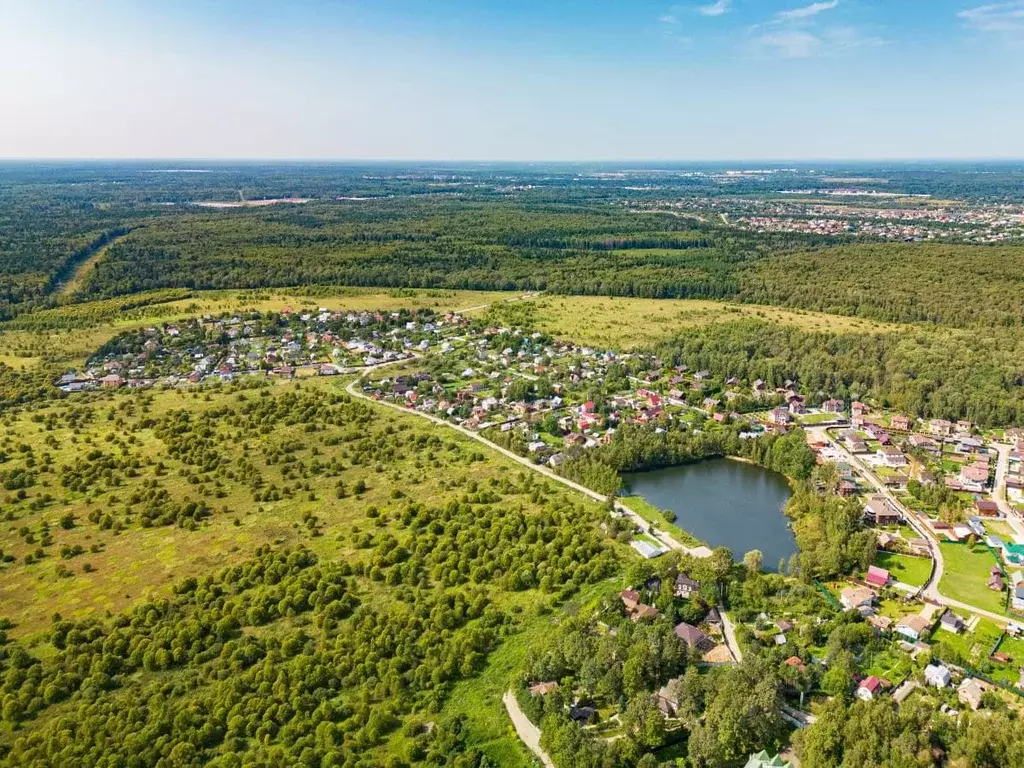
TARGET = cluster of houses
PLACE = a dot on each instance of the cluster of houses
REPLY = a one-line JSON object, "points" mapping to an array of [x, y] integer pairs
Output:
{"points": [[286, 344], [683, 588], [891, 449], [543, 391]]}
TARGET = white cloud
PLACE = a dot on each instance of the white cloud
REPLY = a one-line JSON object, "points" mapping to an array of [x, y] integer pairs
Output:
{"points": [[668, 18], [792, 44], [715, 9], [801, 44], [807, 11], [996, 17]]}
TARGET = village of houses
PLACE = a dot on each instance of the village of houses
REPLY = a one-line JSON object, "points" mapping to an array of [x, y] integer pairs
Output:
{"points": [[279, 345], [548, 399]]}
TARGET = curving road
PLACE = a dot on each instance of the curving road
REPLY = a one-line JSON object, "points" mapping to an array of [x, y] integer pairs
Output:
{"points": [[528, 733], [665, 541], [930, 590]]}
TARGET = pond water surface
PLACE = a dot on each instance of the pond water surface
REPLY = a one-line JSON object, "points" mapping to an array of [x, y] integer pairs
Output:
{"points": [[723, 502]]}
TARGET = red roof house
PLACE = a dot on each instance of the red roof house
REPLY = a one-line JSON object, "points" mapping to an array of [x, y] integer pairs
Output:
{"points": [[877, 577]]}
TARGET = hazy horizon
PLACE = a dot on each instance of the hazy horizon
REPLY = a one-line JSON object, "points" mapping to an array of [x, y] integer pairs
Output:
{"points": [[461, 81]]}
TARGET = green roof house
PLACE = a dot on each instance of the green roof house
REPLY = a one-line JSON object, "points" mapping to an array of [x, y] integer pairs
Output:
{"points": [[763, 760], [1014, 553]]}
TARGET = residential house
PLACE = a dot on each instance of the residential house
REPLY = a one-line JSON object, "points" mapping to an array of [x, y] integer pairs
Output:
{"points": [[833, 406], [950, 622], [583, 715], [906, 688], [542, 689], [970, 692], [643, 612], [923, 443], [940, 428], [969, 445], [1017, 598], [912, 627], [693, 637], [855, 443], [684, 587], [878, 577], [880, 511], [667, 700], [869, 688], [891, 456], [986, 508], [937, 675], [919, 546], [1013, 553], [779, 417], [630, 599], [855, 597], [900, 423], [973, 477], [763, 760], [796, 663]]}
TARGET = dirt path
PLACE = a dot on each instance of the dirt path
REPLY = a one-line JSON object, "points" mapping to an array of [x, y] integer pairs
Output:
{"points": [[529, 733], [73, 282], [730, 635], [666, 541]]}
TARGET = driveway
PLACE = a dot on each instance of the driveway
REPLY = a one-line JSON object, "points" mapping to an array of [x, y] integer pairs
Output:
{"points": [[529, 733]]}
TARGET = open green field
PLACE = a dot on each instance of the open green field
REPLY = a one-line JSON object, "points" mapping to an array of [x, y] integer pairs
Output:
{"points": [[624, 323], [112, 499], [965, 577], [906, 568], [132, 563]]}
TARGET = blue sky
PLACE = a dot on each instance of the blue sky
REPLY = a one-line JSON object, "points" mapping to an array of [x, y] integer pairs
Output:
{"points": [[512, 80]]}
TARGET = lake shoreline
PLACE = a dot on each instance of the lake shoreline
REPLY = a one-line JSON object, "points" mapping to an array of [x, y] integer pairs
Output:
{"points": [[737, 503]]}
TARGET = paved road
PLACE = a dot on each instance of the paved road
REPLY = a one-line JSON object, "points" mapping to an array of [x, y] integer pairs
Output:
{"points": [[999, 490], [666, 541], [730, 635], [529, 733], [930, 591]]}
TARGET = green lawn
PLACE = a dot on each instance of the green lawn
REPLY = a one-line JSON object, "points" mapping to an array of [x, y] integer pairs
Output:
{"points": [[906, 568], [817, 418], [966, 576], [889, 664], [970, 648], [1008, 673], [1001, 529], [652, 514]]}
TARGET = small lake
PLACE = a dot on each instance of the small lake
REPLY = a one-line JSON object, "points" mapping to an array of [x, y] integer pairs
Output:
{"points": [[723, 502]]}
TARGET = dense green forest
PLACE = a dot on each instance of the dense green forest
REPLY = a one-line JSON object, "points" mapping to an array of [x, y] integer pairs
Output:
{"points": [[977, 375], [557, 229]]}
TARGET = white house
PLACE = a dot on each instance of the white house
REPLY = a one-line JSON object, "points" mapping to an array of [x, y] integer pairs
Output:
{"points": [[937, 675]]}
